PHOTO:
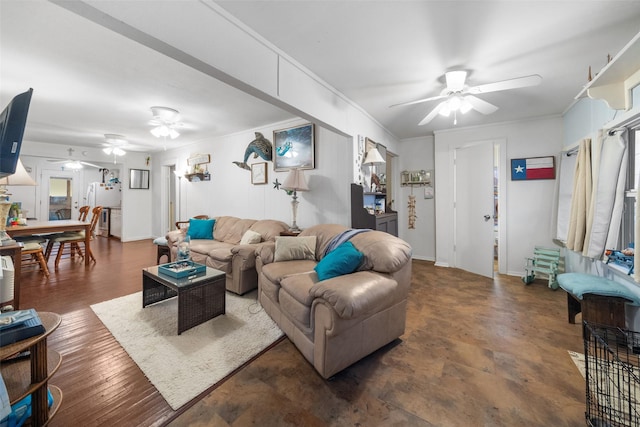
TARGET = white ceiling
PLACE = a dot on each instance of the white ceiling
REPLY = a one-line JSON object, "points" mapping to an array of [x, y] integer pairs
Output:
{"points": [[89, 81]]}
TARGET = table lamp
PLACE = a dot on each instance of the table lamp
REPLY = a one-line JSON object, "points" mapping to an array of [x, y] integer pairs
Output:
{"points": [[20, 177], [295, 182], [373, 158]]}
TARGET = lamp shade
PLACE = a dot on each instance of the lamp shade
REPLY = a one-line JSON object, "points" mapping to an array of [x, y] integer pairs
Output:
{"points": [[20, 177], [373, 156], [295, 181]]}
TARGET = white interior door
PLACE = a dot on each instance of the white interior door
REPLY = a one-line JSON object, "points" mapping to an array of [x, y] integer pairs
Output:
{"points": [[60, 191], [474, 208]]}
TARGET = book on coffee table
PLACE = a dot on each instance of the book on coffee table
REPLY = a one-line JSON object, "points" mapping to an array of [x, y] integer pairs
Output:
{"points": [[19, 325]]}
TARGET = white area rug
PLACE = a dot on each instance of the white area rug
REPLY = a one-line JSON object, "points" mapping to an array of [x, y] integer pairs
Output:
{"points": [[183, 366]]}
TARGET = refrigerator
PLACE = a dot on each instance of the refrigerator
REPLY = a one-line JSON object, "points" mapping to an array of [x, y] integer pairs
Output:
{"points": [[108, 196], [105, 195]]}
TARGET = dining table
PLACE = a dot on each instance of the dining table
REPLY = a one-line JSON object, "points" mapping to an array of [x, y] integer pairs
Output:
{"points": [[59, 226], [43, 227]]}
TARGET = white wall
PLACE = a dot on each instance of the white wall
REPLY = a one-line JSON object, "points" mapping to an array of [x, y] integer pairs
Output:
{"points": [[417, 154], [230, 192], [529, 210]]}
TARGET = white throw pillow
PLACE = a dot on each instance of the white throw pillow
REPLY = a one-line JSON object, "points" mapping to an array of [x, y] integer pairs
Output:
{"points": [[295, 248], [249, 237]]}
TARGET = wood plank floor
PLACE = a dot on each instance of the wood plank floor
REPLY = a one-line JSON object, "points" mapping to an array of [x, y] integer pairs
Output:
{"points": [[476, 352]]}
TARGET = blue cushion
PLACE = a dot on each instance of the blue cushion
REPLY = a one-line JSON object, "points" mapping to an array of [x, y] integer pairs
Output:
{"points": [[579, 284], [201, 228], [344, 259]]}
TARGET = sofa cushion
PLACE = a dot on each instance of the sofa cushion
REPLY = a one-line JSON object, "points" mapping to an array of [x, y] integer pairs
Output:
{"points": [[342, 260], [382, 251], [580, 284], [201, 228], [324, 233], [221, 251], [299, 286], [295, 248], [269, 229], [295, 297], [276, 271], [250, 237], [230, 229]]}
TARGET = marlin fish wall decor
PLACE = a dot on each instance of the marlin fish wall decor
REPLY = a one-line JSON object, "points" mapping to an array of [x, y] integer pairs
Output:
{"points": [[260, 146]]}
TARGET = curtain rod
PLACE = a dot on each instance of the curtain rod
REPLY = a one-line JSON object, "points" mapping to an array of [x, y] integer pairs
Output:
{"points": [[571, 152], [616, 130]]}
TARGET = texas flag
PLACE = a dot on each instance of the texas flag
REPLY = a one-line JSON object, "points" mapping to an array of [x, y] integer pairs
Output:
{"points": [[533, 168]]}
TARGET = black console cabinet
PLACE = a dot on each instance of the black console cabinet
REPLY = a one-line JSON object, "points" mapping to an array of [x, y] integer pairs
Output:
{"points": [[362, 218]]}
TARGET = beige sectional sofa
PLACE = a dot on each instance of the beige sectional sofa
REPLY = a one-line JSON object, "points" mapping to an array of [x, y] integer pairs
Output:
{"points": [[338, 321], [224, 251]]}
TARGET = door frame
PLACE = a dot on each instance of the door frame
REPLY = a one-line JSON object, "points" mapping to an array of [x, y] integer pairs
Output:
{"points": [[168, 196]]}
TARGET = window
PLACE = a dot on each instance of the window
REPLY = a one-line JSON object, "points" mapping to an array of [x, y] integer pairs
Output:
{"points": [[633, 174]]}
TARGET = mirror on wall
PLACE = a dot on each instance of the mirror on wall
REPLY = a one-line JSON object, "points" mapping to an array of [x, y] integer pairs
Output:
{"points": [[139, 179]]}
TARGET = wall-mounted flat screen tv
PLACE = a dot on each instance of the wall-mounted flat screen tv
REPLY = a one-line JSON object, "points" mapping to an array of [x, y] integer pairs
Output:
{"points": [[12, 123]]}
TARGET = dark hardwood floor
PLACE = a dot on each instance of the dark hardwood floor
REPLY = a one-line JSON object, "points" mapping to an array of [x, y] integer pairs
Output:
{"points": [[476, 352]]}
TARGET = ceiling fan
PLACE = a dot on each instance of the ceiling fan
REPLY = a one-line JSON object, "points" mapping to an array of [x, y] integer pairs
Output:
{"points": [[459, 97], [165, 122], [70, 163]]}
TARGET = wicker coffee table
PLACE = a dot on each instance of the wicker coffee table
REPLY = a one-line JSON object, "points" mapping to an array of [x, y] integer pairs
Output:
{"points": [[200, 298]]}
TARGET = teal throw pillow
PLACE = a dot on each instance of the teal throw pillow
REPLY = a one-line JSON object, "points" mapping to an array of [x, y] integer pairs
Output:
{"points": [[342, 260], [201, 228]]}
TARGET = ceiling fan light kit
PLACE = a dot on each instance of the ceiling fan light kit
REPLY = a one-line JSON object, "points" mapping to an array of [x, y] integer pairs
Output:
{"points": [[114, 150], [164, 131], [166, 120]]}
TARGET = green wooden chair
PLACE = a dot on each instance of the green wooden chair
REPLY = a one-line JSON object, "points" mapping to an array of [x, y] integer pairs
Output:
{"points": [[545, 261]]}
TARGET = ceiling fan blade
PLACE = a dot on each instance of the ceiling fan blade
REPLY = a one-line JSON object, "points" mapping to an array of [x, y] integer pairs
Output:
{"points": [[432, 114], [481, 106], [418, 101], [92, 165], [532, 80]]}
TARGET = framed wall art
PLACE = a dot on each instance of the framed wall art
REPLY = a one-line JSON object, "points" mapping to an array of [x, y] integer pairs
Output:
{"points": [[533, 168], [294, 148], [259, 173]]}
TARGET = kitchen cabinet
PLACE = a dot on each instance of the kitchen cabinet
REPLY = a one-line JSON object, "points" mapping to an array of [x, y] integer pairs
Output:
{"points": [[116, 222]]}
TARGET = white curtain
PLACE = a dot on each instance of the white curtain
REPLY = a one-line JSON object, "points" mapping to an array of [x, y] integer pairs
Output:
{"points": [[581, 198], [607, 200], [564, 191]]}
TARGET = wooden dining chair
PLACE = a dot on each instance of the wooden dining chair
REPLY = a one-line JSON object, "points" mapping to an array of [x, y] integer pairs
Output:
{"points": [[83, 213], [72, 240], [32, 254]]}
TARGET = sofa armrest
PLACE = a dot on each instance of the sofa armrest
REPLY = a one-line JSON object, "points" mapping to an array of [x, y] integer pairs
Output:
{"points": [[245, 253], [265, 252], [356, 294], [174, 236]]}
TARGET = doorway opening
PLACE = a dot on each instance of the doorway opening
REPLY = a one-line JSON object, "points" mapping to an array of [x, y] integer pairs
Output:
{"points": [[60, 198]]}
